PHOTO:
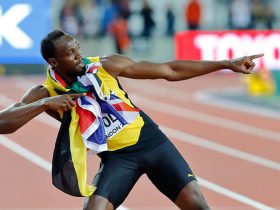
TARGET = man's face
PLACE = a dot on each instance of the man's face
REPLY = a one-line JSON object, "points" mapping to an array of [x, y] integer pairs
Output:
{"points": [[68, 58]]}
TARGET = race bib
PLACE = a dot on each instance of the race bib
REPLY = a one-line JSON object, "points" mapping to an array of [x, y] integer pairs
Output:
{"points": [[112, 125]]}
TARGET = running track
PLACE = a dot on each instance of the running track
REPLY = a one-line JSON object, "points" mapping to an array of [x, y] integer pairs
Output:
{"points": [[234, 153]]}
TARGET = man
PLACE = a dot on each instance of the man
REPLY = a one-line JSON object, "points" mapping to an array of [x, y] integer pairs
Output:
{"points": [[193, 14], [73, 87]]}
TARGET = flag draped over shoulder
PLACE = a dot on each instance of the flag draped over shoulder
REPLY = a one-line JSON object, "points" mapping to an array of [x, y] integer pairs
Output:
{"points": [[97, 117]]}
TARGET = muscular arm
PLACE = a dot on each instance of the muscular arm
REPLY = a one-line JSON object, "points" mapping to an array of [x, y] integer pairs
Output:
{"points": [[118, 65], [34, 102], [20, 113]]}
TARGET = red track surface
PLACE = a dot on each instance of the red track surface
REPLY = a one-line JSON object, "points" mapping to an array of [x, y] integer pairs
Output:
{"points": [[25, 185]]}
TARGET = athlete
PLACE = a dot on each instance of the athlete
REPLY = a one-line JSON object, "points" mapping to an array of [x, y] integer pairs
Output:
{"points": [[137, 148]]}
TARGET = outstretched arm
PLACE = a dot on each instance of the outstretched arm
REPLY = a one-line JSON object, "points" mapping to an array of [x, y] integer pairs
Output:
{"points": [[34, 102], [118, 65]]}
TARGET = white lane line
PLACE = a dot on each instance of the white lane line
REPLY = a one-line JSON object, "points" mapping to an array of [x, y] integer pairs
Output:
{"points": [[32, 157], [122, 208], [44, 118], [205, 118], [203, 96], [186, 113], [207, 97], [18, 149], [27, 154], [157, 90], [233, 195], [227, 192], [182, 136]]}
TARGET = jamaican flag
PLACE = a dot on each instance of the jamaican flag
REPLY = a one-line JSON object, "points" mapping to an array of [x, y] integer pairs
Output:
{"points": [[75, 137], [69, 164]]}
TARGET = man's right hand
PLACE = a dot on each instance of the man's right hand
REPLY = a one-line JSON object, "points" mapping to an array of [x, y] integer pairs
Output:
{"points": [[61, 102]]}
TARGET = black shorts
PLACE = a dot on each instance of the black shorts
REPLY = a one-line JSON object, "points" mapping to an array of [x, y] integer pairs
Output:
{"points": [[119, 171]]}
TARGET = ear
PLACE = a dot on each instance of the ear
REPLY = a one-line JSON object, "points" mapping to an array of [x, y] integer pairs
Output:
{"points": [[53, 62]]}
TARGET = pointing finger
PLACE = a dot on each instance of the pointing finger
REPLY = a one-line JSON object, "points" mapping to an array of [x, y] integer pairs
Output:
{"points": [[252, 57], [76, 95]]}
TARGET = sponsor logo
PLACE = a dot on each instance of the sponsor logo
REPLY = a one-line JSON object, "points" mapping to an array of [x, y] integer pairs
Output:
{"points": [[220, 45], [190, 175]]}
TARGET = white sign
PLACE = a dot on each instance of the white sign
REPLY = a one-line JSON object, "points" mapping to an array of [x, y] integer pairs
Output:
{"points": [[216, 47]]}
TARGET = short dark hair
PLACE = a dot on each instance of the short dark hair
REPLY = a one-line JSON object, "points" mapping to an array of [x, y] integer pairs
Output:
{"points": [[47, 46]]}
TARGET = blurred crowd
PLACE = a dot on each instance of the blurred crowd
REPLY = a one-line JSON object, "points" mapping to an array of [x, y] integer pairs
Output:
{"points": [[89, 18], [251, 14], [128, 20]]}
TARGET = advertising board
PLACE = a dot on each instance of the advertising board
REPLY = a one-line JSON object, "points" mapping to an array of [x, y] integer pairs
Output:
{"points": [[23, 23], [219, 45]]}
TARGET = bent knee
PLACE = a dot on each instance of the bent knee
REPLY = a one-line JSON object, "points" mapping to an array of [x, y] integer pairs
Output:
{"points": [[191, 197], [96, 202], [198, 203]]}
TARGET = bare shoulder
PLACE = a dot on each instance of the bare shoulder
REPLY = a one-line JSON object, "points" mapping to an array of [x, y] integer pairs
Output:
{"points": [[115, 64], [34, 94]]}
